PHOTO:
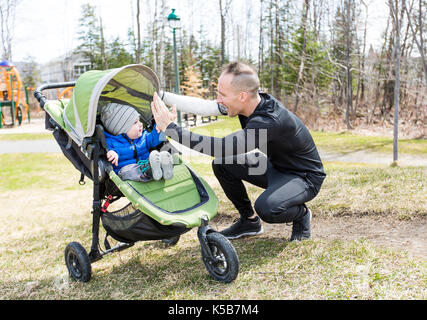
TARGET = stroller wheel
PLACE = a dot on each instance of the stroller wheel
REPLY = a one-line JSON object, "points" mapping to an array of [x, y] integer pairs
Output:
{"points": [[77, 262], [225, 264], [169, 242]]}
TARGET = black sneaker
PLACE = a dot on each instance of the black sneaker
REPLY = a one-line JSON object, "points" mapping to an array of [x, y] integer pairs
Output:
{"points": [[301, 229], [243, 227]]}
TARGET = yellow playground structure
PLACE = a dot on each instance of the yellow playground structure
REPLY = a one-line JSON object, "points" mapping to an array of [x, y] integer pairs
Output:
{"points": [[13, 96]]}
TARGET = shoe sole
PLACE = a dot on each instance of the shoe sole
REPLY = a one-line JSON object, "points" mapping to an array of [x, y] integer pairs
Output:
{"points": [[155, 165], [247, 234], [302, 239], [166, 162]]}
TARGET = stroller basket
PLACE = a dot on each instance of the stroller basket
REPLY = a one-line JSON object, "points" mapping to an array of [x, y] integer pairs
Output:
{"points": [[129, 225]]}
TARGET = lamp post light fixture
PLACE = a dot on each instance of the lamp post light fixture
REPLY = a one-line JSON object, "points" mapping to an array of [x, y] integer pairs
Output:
{"points": [[174, 23]]}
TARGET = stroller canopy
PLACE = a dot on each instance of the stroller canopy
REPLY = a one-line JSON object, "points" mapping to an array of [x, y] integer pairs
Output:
{"points": [[132, 85]]}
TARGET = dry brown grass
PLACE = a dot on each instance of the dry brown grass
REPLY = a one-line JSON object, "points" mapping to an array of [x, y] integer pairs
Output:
{"points": [[41, 217]]}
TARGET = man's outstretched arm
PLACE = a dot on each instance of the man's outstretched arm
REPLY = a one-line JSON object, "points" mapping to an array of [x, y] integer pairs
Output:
{"points": [[239, 142], [193, 105]]}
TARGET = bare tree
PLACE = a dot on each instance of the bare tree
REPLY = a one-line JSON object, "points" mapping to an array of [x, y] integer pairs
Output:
{"points": [[162, 43], [306, 7], [395, 7], [261, 40], [104, 62], [361, 81], [154, 37], [224, 7], [138, 33], [7, 26], [349, 67], [417, 21]]}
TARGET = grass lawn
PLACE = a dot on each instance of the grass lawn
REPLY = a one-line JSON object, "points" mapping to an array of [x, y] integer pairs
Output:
{"points": [[25, 136], [348, 142], [44, 208]]}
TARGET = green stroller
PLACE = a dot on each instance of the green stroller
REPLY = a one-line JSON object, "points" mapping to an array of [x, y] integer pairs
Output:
{"points": [[157, 210]]}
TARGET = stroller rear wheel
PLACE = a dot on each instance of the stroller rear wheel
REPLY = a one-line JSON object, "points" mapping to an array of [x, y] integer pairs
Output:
{"points": [[224, 266], [77, 262]]}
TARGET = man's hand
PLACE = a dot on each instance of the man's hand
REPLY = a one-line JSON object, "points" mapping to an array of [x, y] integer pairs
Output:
{"points": [[113, 157], [162, 115]]}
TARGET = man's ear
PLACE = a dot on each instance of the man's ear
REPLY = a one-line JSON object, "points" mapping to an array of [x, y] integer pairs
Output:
{"points": [[243, 96]]}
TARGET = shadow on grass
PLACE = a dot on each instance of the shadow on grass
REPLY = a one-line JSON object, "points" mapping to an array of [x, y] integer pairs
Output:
{"points": [[369, 147], [147, 271]]}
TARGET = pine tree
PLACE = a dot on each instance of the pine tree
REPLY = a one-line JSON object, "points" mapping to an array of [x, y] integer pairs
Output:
{"points": [[89, 36], [117, 55]]}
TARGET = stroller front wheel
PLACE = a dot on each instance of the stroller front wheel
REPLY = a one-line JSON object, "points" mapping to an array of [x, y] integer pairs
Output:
{"points": [[77, 262], [224, 264]]}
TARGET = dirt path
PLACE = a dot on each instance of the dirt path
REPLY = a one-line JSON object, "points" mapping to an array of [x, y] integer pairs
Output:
{"points": [[408, 236], [364, 156]]}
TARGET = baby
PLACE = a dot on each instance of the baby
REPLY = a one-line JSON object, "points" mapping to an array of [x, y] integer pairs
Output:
{"points": [[129, 146]]}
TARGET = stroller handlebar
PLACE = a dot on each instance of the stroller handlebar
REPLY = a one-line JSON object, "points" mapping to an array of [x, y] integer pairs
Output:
{"points": [[41, 98]]}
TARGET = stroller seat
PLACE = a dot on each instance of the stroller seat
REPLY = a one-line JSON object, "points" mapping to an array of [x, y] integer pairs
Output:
{"points": [[182, 200], [172, 195]]}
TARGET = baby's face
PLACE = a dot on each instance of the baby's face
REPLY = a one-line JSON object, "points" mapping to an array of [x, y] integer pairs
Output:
{"points": [[135, 131]]}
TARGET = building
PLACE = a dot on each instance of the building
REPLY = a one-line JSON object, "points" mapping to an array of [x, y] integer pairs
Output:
{"points": [[63, 69]]}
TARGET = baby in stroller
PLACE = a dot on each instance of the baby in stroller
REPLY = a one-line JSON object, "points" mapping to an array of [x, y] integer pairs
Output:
{"points": [[129, 146]]}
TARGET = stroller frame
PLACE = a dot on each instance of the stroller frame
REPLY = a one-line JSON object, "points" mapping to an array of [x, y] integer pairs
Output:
{"points": [[214, 246]]}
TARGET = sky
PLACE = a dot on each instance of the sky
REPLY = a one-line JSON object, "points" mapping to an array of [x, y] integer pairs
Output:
{"points": [[46, 29]]}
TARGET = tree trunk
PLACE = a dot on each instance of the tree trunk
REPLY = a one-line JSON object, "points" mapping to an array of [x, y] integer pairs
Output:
{"points": [[301, 67], [271, 69], [223, 9], [104, 62], [162, 45], [7, 26], [361, 97], [379, 75], [348, 68], [154, 37], [138, 36], [394, 12], [261, 42]]}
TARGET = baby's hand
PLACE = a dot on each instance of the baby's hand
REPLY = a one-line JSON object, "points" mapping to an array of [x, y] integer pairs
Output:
{"points": [[113, 157]]}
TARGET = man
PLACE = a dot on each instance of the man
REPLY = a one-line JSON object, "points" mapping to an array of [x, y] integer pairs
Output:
{"points": [[293, 171]]}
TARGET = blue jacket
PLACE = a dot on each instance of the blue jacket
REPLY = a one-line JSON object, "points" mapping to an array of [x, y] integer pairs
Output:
{"points": [[132, 151]]}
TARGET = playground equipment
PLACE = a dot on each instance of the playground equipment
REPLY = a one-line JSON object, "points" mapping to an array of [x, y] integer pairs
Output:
{"points": [[13, 95], [65, 94]]}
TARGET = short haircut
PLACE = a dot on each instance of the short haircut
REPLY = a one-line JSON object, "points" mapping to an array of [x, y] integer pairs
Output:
{"points": [[245, 77]]}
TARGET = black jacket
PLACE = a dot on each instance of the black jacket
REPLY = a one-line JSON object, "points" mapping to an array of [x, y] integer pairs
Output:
{"points": [[271, 128]]}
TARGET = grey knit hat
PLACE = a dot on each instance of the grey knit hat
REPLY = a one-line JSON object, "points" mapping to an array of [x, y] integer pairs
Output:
{"points": [[118, 118]]}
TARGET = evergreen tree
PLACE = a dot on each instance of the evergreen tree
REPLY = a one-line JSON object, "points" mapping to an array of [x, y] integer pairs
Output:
{"points": [[89, 36], [117, 54], [316, 62]]}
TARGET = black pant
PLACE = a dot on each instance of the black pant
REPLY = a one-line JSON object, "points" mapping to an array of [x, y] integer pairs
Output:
{"points": [[285, 192]]}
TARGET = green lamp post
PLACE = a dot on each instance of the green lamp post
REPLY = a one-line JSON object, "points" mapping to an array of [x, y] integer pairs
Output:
{"points": [[174, 22]]}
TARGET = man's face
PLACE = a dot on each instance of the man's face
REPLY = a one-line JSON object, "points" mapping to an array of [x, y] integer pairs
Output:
{"points": [[229, 96]]}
